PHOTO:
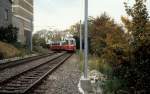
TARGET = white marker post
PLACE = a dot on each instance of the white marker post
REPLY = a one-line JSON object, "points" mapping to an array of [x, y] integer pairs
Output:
{"points": [[86, 41]]}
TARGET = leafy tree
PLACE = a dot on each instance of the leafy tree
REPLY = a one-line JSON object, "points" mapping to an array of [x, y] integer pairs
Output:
{"points": [[39, 38], [98, 30], [127, 23], [75, 31], [107, 39], [136, 72], [109, 42], [139, 16]]}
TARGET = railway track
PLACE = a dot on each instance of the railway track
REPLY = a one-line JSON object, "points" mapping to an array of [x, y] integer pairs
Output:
{"points": [[25, 81], [21, 61], [21, 67]]}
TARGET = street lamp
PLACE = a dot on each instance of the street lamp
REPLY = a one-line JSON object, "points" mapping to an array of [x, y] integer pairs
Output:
{"points": [[86, 41]]}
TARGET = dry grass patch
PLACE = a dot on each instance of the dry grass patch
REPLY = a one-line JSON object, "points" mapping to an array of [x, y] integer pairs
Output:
{"points": [[8, 50]]}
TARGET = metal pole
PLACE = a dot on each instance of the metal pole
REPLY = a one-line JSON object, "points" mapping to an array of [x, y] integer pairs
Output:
{"points": [[80, 36], [86, 41], [30, 42]]}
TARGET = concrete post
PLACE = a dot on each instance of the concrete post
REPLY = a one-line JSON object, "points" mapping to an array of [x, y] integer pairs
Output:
{"points": [[85, 84], [86, 41]]}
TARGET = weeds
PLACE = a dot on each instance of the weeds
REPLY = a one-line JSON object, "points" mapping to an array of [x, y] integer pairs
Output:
{"points": [[8, 50]]}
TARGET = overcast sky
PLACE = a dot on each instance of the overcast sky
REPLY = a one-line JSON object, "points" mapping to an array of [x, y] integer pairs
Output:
{"points": [[60, 14]]}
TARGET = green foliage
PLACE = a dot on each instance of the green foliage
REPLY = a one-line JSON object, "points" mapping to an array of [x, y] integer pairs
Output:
{"points": [[94, 63], [114, 86], [107, 39], [109, 44], [126, 54], [139, 16], [8, 34], [136, 71], [127, 23], [81, 59], [97, 34], [39, 49], [19, 45], [39, 39]]}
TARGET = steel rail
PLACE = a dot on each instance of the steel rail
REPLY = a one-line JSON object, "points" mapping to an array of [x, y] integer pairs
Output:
{"points": [[22, 61], [12, 77], [45, 75], [26, 72]]}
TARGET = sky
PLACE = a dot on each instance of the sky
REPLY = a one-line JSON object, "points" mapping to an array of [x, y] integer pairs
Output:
{"points": [[61, 14]]}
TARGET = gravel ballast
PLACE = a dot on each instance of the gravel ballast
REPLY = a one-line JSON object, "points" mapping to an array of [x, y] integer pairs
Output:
{"points": [[63, 81], [7, 73]]}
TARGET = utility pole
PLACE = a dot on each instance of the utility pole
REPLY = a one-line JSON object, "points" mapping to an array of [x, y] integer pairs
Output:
{"points": [[30, 36], [80, 36], [30, 41], [86, 41], [85, 82]]}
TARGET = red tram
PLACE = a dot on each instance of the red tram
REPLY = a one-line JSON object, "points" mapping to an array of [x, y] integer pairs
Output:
{"points": [[69, 45], [56, 46]]}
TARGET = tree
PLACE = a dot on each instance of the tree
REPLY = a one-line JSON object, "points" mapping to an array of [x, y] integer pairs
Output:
{"points": [[105, 37], [136, 72], [127, 24], [139, 16], [39, 38]]}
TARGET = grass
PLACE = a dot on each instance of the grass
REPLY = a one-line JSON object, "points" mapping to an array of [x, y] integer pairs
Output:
{"points": [[95, 63], [39, 49], [8, 50], [13, 50], [112, 84], [80, 54], [18, 50]]}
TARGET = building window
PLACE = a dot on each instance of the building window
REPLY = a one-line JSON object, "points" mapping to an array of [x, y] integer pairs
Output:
{"points": [[6, 14]]}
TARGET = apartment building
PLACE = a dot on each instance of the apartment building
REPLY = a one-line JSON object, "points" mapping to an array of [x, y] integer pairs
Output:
{"points": [[23, 19], [5, 13]]}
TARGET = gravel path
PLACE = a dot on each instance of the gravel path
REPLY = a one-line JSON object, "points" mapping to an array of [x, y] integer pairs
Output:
{"points": [[63, 81]]}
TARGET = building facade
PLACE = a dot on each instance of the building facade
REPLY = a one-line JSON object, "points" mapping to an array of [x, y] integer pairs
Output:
{"points": [[23, 19], [5, 13]]}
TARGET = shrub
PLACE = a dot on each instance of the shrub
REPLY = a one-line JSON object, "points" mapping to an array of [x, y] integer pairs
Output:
{"points": [[8, 34], [99, 64], [114, 86], [137, 72], [39, 49]]}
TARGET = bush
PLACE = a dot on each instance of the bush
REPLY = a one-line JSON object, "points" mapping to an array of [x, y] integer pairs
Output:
{"points": [[8, 51], [19, 45], [8, 34], [114, 86], [99, 64], [94, 63], [39, 40], [39, 49], [137, 72]]}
